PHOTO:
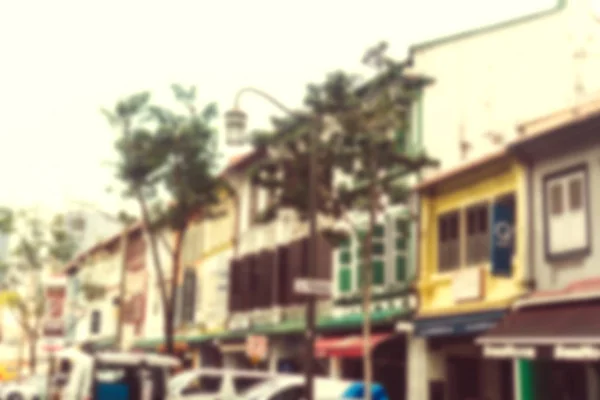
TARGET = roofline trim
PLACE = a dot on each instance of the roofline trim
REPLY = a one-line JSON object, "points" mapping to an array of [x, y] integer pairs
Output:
{"points": [[559, 6], [558, 119]]}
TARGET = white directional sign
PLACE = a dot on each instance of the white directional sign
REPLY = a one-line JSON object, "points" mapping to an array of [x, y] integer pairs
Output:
{"points": [[315, 287]]}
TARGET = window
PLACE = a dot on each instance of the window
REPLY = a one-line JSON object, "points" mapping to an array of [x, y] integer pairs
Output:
{"points": [[399, 228], [345, 258], [189, 296], [378, 255], [293, 393], [252, 204], [96, 320], [203, 384], [566, 211], [478, 234], [389, 251], [400, 139], [449, 244], [242, 384]]}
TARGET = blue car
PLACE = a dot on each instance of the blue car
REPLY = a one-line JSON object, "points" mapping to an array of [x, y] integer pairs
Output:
{"points": [[357, 392]]}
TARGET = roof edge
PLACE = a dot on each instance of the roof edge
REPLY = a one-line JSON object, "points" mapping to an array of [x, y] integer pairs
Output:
{"points": [[463, 169], [559, 6], [558, 119]]}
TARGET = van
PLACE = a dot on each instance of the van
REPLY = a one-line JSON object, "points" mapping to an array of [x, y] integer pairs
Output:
{"points": [[110, 375], [213, 383]]}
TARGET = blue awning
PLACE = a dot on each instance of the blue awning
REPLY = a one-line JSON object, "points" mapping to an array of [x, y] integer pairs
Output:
{"points": [[458, 324]]}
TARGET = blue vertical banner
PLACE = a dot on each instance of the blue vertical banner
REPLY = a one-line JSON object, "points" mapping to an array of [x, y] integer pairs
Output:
{"points": [[503, 239]]}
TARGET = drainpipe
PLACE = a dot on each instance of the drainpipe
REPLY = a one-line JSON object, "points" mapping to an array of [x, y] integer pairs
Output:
{"points": [[530, 219], [122, 287]]}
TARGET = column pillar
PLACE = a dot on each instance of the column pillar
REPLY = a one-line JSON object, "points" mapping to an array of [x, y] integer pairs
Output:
{"points": [[524, 379], [335, 368], [416, 372]]}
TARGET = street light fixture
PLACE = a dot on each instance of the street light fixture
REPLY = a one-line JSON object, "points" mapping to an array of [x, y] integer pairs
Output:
{"points": [[235, 126], [235, 123]]}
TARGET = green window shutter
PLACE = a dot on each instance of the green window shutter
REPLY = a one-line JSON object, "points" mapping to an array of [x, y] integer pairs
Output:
{"points": [[401, 140], [378, 231], [345, 256], [344, 279], [378, 249], [400, 243], [400, 267], [361, 239], [402, 232], [344, 253], [378, 272]]}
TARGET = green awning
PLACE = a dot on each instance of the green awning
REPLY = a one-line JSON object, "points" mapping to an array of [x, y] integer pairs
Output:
{"points": [[287, 327], [356, 320]]}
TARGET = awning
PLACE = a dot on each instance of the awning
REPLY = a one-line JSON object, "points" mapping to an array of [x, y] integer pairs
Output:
{"points": [[461, 324], [345, 347], [379, 317], [569, 330]]}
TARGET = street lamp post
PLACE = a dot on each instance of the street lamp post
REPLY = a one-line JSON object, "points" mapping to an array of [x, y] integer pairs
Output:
{"points": [[235, 124]]}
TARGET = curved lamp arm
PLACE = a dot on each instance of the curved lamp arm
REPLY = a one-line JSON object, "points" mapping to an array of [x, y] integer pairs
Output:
{"points": [[262, 94]]}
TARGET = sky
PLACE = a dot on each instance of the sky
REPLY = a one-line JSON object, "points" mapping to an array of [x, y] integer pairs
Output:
{"points": [[63, 60]]}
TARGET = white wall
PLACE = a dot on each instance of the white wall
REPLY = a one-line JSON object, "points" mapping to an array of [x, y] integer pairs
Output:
{"points": [[524, 71], [213, 293], [557, 275], [105, 271]]}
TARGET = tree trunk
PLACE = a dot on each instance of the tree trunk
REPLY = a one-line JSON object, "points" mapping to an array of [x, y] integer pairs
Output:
{"points": [[122, 287], [367, 280], [32, 354], [171, 309], [156, 260]]}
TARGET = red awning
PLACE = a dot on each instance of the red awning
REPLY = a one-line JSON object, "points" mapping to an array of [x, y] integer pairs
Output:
{"points": [[345, 346]]}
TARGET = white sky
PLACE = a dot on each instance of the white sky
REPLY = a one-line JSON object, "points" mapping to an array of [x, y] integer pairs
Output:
{"points": [[62, 60]]}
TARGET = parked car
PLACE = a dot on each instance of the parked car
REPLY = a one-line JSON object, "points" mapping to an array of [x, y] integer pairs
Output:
{"points": [[292, 388], [213, 383], [30, 388]]}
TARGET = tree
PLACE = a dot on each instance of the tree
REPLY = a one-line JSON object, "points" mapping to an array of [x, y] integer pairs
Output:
{"points": [[361, 166], [42, 246], [168, 164]]}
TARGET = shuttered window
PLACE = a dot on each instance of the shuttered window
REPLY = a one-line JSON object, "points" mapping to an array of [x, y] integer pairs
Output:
{"points": [[189, 296], [345, 263], [389, 251], [96, 322], [400, 231]]}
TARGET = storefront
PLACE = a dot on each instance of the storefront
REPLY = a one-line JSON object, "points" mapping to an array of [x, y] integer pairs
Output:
{"points": [[454, 366], [340, 355], [556, 347]]}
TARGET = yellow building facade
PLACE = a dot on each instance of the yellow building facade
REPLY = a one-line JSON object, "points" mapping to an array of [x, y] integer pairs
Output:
{"points": [[463, 194], [471, 268]]}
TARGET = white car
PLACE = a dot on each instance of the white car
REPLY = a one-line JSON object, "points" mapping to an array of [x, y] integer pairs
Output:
{"points": [[292, 388], [213, 383], [31, 388]]}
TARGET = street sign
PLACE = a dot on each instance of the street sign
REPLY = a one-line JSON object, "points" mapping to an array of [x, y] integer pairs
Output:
{"points": [[256, 347], [315, 287]]}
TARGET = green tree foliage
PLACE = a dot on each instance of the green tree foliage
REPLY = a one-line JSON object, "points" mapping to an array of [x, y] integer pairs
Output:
{"points": [[356, 130], [168, 164], [357, 125], [41, 246]]}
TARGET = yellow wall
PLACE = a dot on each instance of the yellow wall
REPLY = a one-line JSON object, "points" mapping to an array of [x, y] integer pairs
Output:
{"points": [[435, 288], [206, 239]]}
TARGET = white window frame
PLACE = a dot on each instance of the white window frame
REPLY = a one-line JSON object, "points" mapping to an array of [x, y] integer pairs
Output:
{"points": [[573, 224]]}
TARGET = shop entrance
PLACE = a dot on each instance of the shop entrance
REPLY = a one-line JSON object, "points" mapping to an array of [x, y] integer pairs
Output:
{"points": [[464, 378]]}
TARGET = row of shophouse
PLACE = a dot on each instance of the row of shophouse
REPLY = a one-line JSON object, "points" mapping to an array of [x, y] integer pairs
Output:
{"points": [[495, 291]]}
